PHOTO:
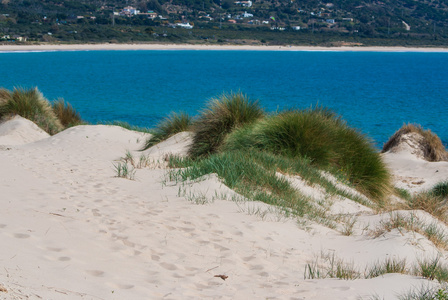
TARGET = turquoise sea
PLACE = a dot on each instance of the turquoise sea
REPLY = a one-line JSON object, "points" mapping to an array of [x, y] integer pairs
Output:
{"points": [[375, 92]]}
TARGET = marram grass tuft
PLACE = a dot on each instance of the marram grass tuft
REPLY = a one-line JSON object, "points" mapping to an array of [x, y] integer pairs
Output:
{"points": [[66, 114], [222, 116], [324, 139], [32, 105]]}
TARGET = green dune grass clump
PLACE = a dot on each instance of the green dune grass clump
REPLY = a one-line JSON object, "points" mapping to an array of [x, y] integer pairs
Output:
{"points": [[222, 116], [66, 114], [324, 139], [174, 123], [431, 145], [4, 96], [32, 105], [440, 189]]}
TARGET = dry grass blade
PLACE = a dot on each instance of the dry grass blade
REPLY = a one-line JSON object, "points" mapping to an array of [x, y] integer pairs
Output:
{"points": [[66, 114]]}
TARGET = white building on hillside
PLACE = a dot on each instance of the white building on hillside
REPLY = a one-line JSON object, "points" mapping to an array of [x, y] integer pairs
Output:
{"points": [[184, 25], [247, 15]]}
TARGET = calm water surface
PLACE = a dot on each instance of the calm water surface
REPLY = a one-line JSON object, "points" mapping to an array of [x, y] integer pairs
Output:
{"points": [[375, 92]]}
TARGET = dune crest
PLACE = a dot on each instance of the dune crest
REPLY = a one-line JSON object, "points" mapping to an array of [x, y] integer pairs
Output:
{"points": [[414, 140], [417, 158], [19, 131]]}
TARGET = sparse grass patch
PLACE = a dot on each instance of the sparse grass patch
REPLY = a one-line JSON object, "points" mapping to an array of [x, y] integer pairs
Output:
{"points": [[174, 123], [330, 267], [396, 221], [432, 269], [243, 172], [327, 265], [433, 231], [143, 161], [129, 158], [425, 293], [430, 203], [389, 265], [198, 198], [124, 171], [436, 234], [348, 222]]}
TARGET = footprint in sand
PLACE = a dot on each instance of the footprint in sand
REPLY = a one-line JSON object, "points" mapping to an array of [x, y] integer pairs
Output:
{"points": [[55, 249], [237, 233], [220, 248], [96, 213], [128, 243], [186, 229], [249, 258], [257, 267], [64, 258], [155, 257], [123, 286], [168, 266], [21, 236], [96, 273], [341, 288]]}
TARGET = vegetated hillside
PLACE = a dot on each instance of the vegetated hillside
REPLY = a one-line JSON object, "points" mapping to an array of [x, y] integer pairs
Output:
{"points": [[403, 22]]}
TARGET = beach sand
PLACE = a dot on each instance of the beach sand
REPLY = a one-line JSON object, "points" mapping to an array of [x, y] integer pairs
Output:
{"points": [[142, 46], [70, 229]]}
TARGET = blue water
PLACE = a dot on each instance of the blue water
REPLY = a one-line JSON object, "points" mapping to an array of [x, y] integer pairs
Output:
{"points": [[375, 92]]}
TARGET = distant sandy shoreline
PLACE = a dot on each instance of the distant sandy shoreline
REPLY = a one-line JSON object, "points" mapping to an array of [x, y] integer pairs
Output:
{"points": [[85, 47]]}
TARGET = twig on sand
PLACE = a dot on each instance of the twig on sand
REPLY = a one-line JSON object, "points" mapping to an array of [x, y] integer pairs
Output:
{"points": [[223, 277]]}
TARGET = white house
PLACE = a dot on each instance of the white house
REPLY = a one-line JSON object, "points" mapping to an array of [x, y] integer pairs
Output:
{"points": [[244, 3], [247, 15], [184, 25], [129, 11]]}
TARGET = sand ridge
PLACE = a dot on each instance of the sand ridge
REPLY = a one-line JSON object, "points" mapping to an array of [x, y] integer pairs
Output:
{"points": [[70, 229]]}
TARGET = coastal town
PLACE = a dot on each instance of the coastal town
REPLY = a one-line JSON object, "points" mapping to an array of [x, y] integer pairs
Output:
{"points": [[225, 21]]}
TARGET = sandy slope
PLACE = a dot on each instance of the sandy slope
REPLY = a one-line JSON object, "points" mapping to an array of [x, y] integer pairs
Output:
{"points": [[71, 230]]}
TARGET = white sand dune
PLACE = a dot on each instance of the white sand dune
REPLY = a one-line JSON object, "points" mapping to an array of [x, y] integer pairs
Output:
{"points": [[71, 230], [19, 131]]}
